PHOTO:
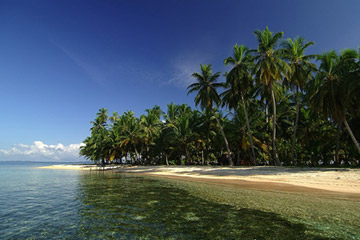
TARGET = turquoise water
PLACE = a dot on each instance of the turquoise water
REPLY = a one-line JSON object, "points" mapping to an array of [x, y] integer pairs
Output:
{"points": [[63, 204]]}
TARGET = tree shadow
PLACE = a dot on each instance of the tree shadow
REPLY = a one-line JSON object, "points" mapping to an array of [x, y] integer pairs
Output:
{"points": [[228, 171]]}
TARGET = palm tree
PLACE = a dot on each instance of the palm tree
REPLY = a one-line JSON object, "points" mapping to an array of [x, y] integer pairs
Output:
{"points": [[207, 96], [334, 74], [151, 126], [348, 69], [239, 80], [115, 117], [128, 133], [100, 120], [98, 145], [184, 131], [208, 133], [100, 133], [269, 69], [88, 150], [301, 69]]}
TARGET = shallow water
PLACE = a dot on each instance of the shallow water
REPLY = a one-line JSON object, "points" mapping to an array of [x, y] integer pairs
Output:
{"points": [[44, 203]]}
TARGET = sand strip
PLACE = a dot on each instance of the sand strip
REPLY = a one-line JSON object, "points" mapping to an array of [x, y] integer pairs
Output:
{"points": [[343, 180], [277, 178], [84, 167]]}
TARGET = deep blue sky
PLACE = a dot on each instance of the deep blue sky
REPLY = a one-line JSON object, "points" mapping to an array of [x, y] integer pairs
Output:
{"points": [[60, 61]]}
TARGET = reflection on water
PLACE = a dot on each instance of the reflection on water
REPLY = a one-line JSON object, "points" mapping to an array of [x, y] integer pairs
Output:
{"points": [[48, 204]]}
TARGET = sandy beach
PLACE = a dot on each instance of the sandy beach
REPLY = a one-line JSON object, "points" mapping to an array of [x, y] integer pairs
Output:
{"points": [[81, 167], [342, 180]]}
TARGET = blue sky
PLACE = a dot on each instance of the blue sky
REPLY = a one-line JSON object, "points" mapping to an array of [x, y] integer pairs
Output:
{"points": [[60, 61]]}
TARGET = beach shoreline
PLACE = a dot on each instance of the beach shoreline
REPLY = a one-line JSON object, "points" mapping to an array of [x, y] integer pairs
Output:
{"points": [[80, 167], [291, 179]]}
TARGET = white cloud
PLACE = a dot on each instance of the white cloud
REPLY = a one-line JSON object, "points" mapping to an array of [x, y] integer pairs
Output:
{"points": [[184, 66], [39, 151], [137, 73]]}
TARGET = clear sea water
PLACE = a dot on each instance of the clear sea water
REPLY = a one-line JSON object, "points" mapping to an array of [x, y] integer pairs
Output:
{"points": [[66, 204]]}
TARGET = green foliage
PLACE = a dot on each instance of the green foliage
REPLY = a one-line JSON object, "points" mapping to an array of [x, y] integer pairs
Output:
{"points": [[313, 119]]}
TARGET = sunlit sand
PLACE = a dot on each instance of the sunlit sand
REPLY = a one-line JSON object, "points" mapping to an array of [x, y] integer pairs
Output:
{"points": [[329, 179], [87, 167]]}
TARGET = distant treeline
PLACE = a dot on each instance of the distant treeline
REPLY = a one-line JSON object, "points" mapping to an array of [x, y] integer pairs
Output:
{"points": [[277, 107]]}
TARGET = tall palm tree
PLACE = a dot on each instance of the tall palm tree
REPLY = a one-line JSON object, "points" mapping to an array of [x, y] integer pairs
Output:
{"points": [[348, 69], [128, 133], [115, 117], [100, 120], [301, 69], [98, 145], [184, 131], [239, 80], [269, 69], [330, 98], [207, 96], [208, 133], [88, 150], [151, 126]]}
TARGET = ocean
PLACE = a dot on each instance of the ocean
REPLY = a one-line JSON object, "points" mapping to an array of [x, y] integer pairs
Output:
{"points": [[69, 204]]}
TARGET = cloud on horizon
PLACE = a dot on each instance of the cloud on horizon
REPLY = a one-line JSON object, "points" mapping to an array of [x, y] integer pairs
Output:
{"points": [[39, 151]]}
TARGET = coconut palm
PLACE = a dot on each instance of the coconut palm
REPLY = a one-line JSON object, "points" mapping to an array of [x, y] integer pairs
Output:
{"points": [[185, 131], [151, 126], [128, 133], [88, 150], [93, 148], [115, 117], [301, 69], [207, 96], [269, 69], [208, 133], [348, 69], [239, 80], [334, 74], [100, 120]]}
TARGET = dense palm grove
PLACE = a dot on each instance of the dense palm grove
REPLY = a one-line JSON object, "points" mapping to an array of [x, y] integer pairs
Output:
{"points": [[277, 106]]}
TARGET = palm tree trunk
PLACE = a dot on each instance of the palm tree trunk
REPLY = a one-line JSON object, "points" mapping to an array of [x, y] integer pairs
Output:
{"points": [[148, 153], [352, 135], [187, 155], [294, 162], [249, 131], [266, 112], [267, 128], [137, 155], [277, 162], [238, 157], [166, 160], [202, 157], [337, 162], [225, 139]]}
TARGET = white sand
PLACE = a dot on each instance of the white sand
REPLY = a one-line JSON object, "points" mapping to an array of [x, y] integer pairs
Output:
{"points": [[339, 180], [88, 167]]}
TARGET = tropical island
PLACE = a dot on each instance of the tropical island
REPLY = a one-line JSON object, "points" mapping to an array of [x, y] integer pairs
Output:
{"points": [[279, 106], [221, 131], [284, 126]]}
